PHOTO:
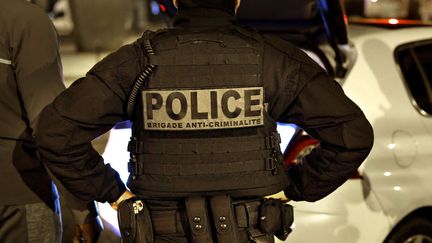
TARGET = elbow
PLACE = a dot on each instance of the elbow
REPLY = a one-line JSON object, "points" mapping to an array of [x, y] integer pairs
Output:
{"points": [[49, 132], [41, 126], [358, 136]]}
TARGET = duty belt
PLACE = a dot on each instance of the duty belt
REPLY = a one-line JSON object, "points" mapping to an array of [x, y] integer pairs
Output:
{"points": [[247, 214]]}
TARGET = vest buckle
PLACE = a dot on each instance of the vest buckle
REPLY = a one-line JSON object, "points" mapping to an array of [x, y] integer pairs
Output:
{"points": [[135, 146], [271, 164], [273, 141], [135, 167]]}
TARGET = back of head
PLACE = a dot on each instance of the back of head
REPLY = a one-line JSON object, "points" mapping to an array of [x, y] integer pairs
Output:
{"points": [[226, 5]]}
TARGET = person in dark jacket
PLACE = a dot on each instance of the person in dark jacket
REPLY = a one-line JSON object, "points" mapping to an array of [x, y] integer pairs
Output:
{"points": [[204, 98], [30, 78]]}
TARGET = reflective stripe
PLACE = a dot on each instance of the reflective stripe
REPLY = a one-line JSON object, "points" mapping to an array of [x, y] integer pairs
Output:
{"points": [[4, 61]]}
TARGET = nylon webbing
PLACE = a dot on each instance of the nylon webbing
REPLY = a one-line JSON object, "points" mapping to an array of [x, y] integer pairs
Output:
{"points": [[178, 185], [203, 148], [174, 169], [208, 37], [185, 148], [202, 59]]}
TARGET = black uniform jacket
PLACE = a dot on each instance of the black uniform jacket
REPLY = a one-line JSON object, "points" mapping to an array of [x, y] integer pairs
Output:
{"points": [[299, 91], [30, 78]]}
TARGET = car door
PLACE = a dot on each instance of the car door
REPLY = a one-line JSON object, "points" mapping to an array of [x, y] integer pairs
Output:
{"points": [[415, 62]]}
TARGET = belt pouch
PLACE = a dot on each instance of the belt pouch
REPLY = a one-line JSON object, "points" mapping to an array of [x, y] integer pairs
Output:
{"points": [[135, 222], [248, 214], [196, 210], [224, 219], [276, 217], [287, 221], [270, 216]]}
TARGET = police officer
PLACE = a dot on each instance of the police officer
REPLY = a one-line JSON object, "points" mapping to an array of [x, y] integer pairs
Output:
{"points": [[204, 98]]}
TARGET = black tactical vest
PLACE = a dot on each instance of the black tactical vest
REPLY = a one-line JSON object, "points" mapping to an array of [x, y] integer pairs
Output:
{"points": [[200, 123]]}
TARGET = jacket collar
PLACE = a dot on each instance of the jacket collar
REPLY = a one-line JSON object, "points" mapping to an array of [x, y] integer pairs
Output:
{"points": [[199, 17]]}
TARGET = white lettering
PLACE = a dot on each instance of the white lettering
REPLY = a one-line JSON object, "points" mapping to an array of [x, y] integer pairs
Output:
{"points": [[203, 109]]}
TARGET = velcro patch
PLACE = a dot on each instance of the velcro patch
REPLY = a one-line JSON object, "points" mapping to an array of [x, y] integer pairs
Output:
{"points": [[203, 109]]}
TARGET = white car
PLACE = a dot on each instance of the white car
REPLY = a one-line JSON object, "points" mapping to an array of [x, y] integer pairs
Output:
{"points": [[390, 200]]}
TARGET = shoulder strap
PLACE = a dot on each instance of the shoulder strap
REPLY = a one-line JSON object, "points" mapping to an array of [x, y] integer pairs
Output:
{"points": [[139, 82]]}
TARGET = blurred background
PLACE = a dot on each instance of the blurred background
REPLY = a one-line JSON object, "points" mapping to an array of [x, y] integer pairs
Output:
{"points": [[90, 29]]}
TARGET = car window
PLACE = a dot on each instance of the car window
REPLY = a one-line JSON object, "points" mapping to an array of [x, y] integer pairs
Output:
{"points": [[415, 62]]}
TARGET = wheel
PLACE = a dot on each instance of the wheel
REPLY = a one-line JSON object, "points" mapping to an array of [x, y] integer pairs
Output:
{"points": [[416, 230]]}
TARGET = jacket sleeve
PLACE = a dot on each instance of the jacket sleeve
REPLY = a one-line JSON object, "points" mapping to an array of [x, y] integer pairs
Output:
{"points": [[36, 61], [38, 73], [87, 109], [323, 110]]}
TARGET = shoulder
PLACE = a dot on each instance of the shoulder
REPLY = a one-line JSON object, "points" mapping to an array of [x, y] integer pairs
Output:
{"points": [[23, 14], [23, 21], [289, 51], [277, 48], [127, 53], [124, 56]]}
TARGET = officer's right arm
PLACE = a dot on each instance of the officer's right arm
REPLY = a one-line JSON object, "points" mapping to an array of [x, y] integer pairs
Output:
{"points": [[125, 196], [300, 92], [344, 133]]}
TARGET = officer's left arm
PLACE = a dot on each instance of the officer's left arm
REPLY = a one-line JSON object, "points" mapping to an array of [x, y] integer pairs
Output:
{"points": [[345, 136], [87, 109]]}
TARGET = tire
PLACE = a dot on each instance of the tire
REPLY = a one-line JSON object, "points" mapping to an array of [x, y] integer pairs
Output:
{"points": [[413, 231]]}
